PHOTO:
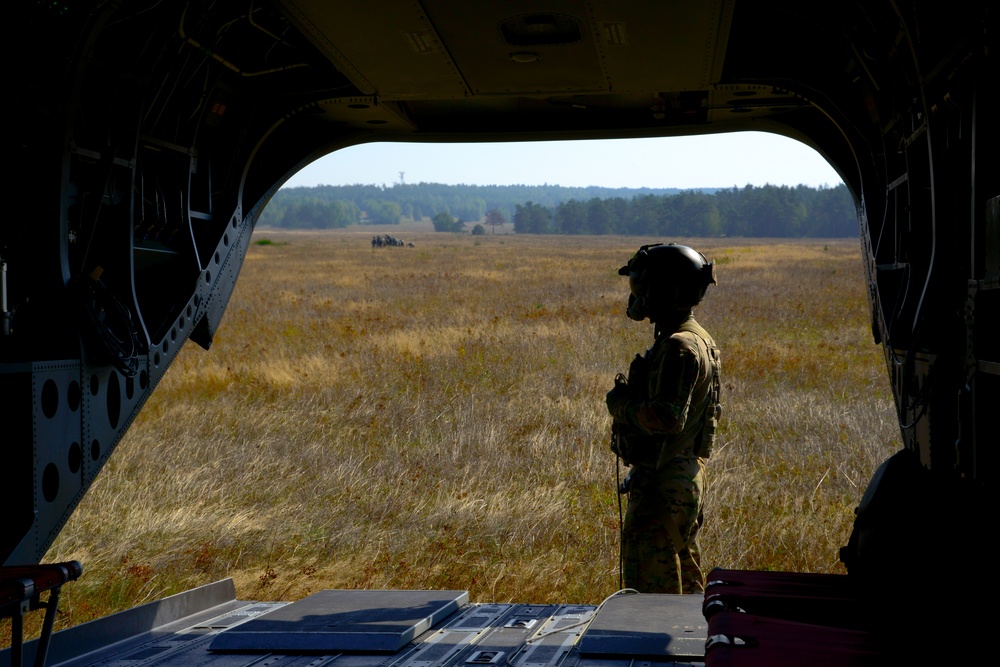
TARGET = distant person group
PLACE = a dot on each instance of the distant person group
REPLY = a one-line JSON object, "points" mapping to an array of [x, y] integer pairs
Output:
{"points": [[385, 240]]}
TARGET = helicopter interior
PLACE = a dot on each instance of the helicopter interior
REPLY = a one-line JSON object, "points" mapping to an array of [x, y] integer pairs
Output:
{"points": [[147, 137]]}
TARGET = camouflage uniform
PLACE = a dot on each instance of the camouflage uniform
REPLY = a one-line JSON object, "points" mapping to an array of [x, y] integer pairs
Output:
{"points": [[666, 417]]}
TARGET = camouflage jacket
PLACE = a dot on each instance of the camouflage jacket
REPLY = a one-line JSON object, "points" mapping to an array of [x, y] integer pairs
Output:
{"points": [[670, 406]]}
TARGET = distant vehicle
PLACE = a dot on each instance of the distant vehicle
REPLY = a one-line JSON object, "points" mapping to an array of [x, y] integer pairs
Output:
{"points": [[145, 138]]}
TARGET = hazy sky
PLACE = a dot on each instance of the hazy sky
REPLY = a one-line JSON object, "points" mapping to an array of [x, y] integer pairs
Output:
{"points": [[716, 161]]}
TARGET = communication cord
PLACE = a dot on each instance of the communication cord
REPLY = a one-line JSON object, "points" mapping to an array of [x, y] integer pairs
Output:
{"points": [[621, 520], [512, 660]]}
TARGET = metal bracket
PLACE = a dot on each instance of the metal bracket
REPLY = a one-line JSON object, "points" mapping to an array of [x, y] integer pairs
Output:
{"points": [[485, 658]]}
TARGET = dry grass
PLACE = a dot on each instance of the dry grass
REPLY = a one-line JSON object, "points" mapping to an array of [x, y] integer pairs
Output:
{"points": [[434, 417]]}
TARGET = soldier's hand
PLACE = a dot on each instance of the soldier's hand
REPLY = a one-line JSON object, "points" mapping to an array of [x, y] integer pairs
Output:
{"points": [[616, 397], [626, 485], [637, 368]]}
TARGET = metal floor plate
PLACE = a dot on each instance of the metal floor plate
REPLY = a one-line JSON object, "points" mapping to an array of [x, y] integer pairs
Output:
{"points": [[182, 631], [649, 626], [343, 620]]}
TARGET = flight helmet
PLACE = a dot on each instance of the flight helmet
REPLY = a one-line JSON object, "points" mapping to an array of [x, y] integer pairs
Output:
{"points": [[666, 278]]}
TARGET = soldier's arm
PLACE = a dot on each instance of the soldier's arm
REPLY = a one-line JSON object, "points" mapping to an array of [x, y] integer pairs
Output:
{"points": [[671, 384]]}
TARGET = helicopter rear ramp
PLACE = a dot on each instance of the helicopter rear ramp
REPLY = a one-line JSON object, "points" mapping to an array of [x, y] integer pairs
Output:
{"points": [[209, 627]]}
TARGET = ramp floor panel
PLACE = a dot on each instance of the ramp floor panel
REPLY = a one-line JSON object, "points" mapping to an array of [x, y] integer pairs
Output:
{"points": [[648, 626], [382, 629], [344, 620]]}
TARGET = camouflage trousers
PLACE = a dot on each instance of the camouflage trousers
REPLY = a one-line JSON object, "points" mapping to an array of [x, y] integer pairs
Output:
{"points": [[660, 534]]}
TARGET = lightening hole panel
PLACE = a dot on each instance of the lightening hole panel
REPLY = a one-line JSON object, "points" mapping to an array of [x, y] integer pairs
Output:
{"points": [[75, 457], [50, 482], [114, 396], [73, 396], [50, 398]]}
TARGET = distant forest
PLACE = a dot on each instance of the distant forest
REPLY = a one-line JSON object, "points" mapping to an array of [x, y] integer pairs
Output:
{"points": [[753, 211]]}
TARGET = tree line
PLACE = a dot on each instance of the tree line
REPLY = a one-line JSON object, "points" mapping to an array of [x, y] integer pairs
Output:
{"points": [[326, 206], [755, 211], [767, 211]]}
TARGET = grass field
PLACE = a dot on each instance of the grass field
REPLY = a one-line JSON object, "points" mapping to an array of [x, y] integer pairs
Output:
{"points": [[434, 417]]}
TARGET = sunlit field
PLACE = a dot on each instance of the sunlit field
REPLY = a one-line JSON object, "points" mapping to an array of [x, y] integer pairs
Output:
{"points": [[433, 417]]}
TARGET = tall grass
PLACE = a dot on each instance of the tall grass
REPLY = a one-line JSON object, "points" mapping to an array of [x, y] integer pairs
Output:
{"points": [[434, 416]]}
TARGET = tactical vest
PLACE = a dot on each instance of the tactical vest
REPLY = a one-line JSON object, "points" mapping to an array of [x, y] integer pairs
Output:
{"points": [[653, 451], [705, 440]]}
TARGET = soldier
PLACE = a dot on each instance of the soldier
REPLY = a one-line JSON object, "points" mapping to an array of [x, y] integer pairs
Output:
{"points": [[665, 414]]}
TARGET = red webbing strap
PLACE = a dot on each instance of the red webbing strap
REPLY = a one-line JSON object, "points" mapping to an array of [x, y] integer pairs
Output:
{"points": [[20, 583], [743, 640], [20, 587]]}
